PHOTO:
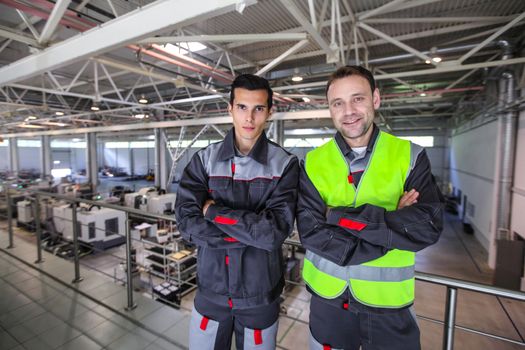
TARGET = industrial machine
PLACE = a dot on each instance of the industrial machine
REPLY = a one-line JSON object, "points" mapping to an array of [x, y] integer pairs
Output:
{"points": [[151, 200], [101, 228], [25, 214]]}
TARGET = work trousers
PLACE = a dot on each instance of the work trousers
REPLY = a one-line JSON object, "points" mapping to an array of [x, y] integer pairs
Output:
{"points": [[347, 325], [212, 326]]}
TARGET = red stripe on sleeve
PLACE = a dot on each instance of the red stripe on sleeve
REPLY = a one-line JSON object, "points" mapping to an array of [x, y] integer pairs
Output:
{"points": [[204, 323], [224, 220], [257, 336], [230, 239], [352, 225]]}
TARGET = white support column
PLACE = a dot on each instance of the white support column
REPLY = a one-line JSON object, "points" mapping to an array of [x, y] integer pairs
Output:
{"points": [[161, 161], [91, 158], [13, 155], [279, 132], [45, 156]]}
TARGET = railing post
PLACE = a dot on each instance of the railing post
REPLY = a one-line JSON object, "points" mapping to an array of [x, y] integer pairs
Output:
{"points": [[450, 319], [75, 242], [9, 217], [129, 267], [38, 228]]}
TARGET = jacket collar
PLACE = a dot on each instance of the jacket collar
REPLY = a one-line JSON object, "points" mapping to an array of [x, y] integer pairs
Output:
{"points": [[259, 152], [346, 149]]}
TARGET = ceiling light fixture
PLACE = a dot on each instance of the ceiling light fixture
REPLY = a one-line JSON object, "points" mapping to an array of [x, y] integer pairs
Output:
{"points": [[30, 126], [306, 99], [143, 99], [422, 94], [140, 116], [53, 123], [59, 113], [432, 54], [95, 108], [297, 78]]}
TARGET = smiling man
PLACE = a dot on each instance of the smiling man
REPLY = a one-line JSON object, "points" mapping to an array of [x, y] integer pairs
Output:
{"points": [[367, 203], [236, 201]]}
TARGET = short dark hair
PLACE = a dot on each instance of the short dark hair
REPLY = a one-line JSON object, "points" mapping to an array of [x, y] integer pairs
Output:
{"points": [[347, 71], [251, 82]]}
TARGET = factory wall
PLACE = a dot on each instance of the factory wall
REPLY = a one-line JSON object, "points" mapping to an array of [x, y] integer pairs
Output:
{"points": [[472, 158], [4, 157], [518, 196]]}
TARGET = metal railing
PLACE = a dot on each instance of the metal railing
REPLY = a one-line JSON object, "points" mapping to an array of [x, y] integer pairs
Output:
{"points": [[452, 285]]}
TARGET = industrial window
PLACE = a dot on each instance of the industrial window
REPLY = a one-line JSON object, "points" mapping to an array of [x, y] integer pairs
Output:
{"points": [[29, 143], [67, 144], [91, 230], [111, 227], [4, 143], [423, 141], [118, 144], [309, 142]]}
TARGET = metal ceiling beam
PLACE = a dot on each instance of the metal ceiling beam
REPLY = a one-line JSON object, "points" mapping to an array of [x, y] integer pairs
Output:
{"points": [[297, 14], [492, 37], [377, 42], [496, 19], [394, 41], [28, 24], [437, 70], [161, 77], [315, 114], [226, 38], [392, 6], [116, 33], [283, 56], [8, 33], [54, 19]]}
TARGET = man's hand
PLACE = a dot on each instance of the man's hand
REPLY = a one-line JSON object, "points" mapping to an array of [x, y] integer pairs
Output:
{"points": [[408, 199], [207, 205]]}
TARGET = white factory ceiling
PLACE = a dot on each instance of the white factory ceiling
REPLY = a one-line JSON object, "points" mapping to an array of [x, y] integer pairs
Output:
{"points": [[61, 59]]}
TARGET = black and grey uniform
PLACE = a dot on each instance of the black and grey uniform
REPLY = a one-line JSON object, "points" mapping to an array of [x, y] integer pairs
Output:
{"points": [[239, 264], [343, 322]]}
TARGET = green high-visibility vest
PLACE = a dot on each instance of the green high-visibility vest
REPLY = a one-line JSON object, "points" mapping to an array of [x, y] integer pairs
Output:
{"points": [[384, 282]]}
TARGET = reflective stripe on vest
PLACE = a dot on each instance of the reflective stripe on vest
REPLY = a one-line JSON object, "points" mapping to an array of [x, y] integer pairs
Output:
{"points": [[361, 272], [384, 282]]}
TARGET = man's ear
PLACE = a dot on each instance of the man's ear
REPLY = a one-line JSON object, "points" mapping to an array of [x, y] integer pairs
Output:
{"points": [[376, 98], [230, 108]]}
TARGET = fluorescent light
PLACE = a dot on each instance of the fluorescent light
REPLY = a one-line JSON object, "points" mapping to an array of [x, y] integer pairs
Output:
{"points": [[436, 59], [59, 113], [143, 100], [306, 99], [31, 126], [31, 117], [140, 116], [422, 94], [53, 124], [56, 162], [297, 78], [184, 48], [95, 108], [427, 61]]}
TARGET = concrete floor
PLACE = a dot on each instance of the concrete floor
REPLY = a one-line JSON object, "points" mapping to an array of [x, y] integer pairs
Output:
{"points": [[39, 312]]}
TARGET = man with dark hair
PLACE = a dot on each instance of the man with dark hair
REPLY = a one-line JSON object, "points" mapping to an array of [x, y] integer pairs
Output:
{"points": [[236, 201], [367, 203]]}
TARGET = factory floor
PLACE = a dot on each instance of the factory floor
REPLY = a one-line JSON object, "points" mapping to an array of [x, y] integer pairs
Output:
{"points": [[38, 310]]}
